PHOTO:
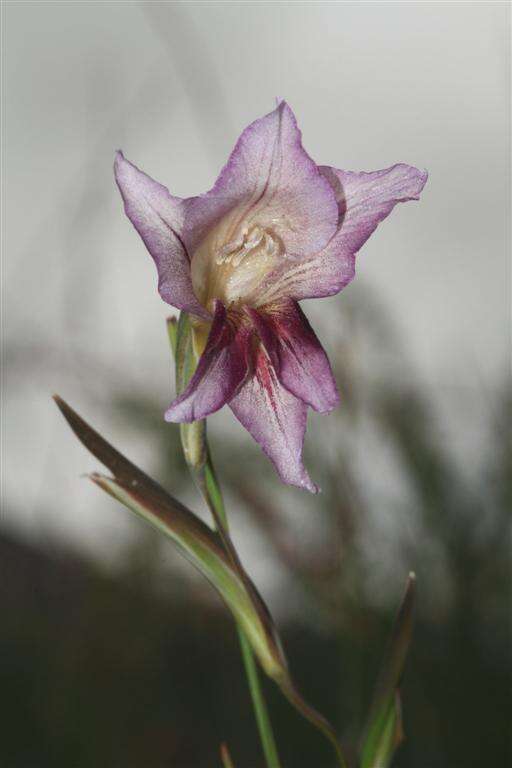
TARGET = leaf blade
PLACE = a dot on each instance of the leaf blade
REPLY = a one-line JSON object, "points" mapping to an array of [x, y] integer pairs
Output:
{"points": [[196, 541], [384, 732], [205, 549]]}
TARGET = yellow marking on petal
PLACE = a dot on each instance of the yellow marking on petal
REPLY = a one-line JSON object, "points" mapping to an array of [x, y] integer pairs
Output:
{"points": [[232, 262]]}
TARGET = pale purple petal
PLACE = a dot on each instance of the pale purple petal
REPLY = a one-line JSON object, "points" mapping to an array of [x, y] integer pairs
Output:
{"points": [[220, 370], [322, 275], [302, 365], [364, 200], [269, 180], [276, 420], [158, 218]]}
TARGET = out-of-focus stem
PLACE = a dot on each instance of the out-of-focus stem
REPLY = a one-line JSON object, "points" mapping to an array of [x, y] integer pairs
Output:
{"points": [[226, 757]]}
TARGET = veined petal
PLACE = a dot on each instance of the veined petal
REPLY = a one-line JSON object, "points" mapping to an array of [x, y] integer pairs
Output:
{"points": [[302, 367], [364, 200], [276, 419], [220, 371], [271, 182], [158, 218], [324, 274]]}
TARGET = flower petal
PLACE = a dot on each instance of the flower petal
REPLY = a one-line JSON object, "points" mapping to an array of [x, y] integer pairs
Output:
{"points": [[364, 200], [158, 218], [276, 420], [269, 180], [221, 369], [302, 365]]}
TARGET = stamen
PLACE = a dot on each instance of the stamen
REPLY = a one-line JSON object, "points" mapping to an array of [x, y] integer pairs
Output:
{"points": [[233, 270], [257, 239]]}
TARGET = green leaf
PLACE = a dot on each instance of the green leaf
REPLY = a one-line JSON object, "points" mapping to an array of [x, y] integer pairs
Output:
{"points": [[205, 549], [384, 732], [194, 539]]}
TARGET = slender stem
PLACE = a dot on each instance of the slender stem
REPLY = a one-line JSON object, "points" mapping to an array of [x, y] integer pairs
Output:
{"points": [[213, 497], [260, 708]]}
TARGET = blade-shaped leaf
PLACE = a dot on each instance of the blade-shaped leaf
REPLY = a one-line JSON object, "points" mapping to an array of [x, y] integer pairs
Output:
{"points": [[202, 547], [384, 732], [384, 737], [193, 538]]}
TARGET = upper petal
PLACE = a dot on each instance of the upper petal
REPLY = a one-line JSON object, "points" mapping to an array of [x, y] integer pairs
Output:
{"points": [[276, 419], [301, 363], [269, 180], [220, 371], [364, 200], [158, 218]]}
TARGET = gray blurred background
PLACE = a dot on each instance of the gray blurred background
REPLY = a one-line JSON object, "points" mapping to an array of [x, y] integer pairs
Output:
{"points": [[414, 466]]}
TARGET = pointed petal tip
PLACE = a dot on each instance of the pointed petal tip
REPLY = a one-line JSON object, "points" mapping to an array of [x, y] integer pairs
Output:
{"points": [[175, 415], [329, 405], [418, 178], [303, 482], [124, 170], [297, 477], [119, 159], [312, 488], [422, 177]]}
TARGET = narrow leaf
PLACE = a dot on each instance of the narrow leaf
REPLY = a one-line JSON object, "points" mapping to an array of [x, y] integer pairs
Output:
{"points": [[205, 549], [384, 731], [194, 539]]}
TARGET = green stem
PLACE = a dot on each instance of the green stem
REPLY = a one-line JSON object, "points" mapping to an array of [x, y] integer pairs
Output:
{"points": [[260, 708], [213, 497]]}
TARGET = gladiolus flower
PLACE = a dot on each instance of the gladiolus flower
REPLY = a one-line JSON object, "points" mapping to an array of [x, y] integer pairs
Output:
{"points": [[274, 229]]}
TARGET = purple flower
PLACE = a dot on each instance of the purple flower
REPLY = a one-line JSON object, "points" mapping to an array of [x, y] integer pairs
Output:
{"points": [[275, 228]]}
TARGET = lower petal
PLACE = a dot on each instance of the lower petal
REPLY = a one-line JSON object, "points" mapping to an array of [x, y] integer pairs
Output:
{"points": [[221, 369], [304, 368], [276, 419]]}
